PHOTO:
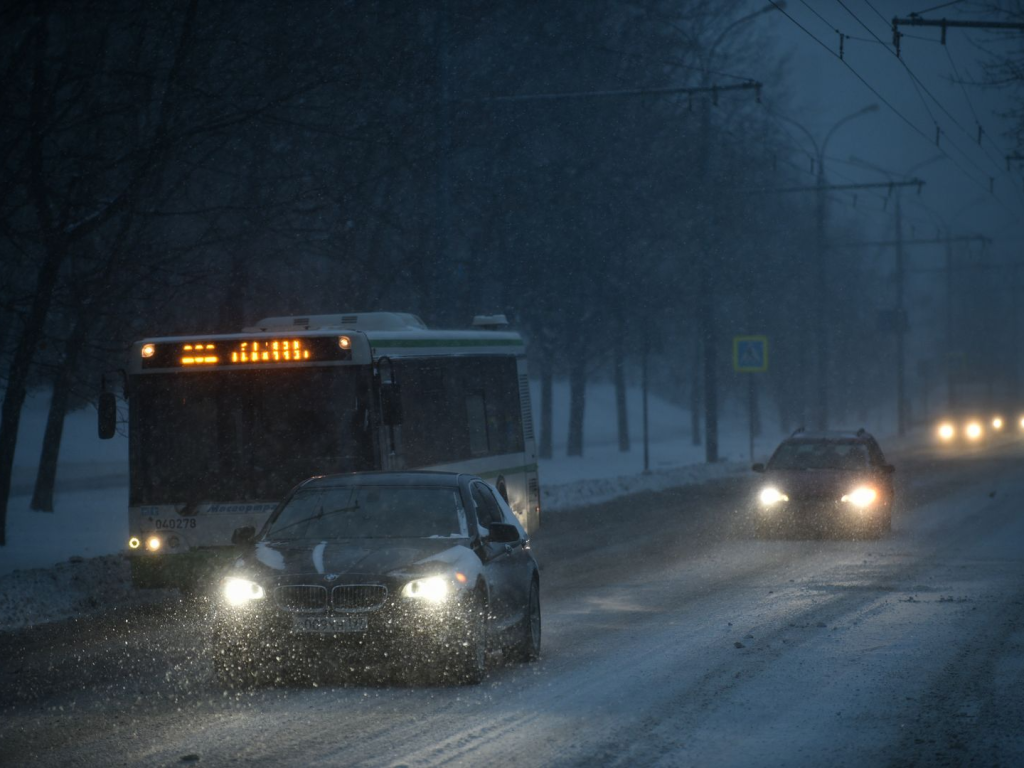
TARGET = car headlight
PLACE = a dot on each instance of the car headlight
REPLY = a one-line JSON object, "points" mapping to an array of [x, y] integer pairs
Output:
{"points": [[946, 432], [433, 589], [241, 591], [861, 497], [973, 430], [997, 423], [770, 496]]}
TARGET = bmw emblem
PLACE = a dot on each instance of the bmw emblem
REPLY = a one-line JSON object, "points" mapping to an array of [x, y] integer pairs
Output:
{"points": [[331, 576]]}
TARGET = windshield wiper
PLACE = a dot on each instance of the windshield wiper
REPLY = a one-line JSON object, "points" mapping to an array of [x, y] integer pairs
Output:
{"points": [[271, 534]]}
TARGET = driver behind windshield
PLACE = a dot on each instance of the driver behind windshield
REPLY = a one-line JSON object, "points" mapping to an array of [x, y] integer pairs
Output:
{"points": [[372, 512], [820, 455]]}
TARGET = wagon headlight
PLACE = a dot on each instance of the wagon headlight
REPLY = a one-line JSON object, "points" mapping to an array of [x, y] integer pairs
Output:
{"points": [[433, 589], [861, 497], [771, 496], [241, 591]]}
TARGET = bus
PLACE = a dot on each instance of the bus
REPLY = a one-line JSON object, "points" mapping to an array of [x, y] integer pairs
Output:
{"points": [[222, 426]]}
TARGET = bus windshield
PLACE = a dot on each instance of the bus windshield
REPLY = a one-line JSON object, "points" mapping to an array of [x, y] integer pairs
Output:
{"points": [[246, 435]]}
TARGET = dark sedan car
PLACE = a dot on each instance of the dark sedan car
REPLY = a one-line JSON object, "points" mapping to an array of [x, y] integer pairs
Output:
{"points": [[837, 481], [427, 569]]}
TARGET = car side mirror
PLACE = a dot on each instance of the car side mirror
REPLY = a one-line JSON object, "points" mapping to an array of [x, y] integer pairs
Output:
{"points": [[503, 533], [107, 425], [391, 404], [243, 537], [888, 469], [759, 467]]}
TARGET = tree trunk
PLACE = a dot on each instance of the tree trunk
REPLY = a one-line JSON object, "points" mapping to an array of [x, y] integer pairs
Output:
{"points": [[545, 411], [18, 372], [46, 476], [695, 398], [577, 402], [620, 395]]}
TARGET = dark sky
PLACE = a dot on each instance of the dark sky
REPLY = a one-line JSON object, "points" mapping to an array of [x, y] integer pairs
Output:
{"points": [[957, 190]]}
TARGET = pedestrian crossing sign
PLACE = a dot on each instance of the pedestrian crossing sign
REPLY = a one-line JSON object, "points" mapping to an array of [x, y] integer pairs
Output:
{"points": [[750, 354]]}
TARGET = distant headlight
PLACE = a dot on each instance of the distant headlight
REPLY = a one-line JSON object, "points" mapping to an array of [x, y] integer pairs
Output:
{"points": [[974, 430], [946, 432], [242, 591], [433, 589], [861, 497], [771, 496], [997, 423]]}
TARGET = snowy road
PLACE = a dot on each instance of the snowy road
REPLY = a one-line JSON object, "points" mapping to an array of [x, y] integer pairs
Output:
{"points": [[671, 637]]}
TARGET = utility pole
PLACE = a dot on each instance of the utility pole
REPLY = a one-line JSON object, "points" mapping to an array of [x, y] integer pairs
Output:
{"points": [[821, 265], [821, 189], [916, 21], [950, 387], [901, 327]]}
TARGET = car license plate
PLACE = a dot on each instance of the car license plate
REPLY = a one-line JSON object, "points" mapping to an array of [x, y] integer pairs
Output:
{"points": [[354, 623]]}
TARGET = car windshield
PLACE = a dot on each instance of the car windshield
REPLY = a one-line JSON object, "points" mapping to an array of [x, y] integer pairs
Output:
{"points": [[370, 512], [820, 454]]}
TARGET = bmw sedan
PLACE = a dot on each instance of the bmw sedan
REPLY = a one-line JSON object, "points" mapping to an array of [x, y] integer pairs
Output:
{"points": [[427, 569], [833, 481]]}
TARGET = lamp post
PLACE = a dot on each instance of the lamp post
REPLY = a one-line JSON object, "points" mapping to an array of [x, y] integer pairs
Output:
{"points": [[706, 320], [820, 272], [902, 415]]}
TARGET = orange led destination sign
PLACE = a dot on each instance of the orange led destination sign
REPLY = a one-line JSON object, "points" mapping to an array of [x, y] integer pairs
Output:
{"points": [[270, 351], [227, 353]]}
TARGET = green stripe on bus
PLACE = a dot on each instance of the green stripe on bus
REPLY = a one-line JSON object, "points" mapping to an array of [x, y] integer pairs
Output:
{"points": [[445, 343]]}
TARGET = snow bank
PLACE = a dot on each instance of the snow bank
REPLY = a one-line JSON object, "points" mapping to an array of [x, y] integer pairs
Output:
{"points": [[69, 589], [583, 492]]}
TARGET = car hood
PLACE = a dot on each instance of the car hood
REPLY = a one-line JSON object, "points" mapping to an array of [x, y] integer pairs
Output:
{"points": [[349, 557], [816, 482]]}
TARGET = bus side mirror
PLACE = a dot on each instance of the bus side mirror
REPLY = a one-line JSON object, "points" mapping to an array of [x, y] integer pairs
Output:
{"points": [[107, 426], [391, 404]]}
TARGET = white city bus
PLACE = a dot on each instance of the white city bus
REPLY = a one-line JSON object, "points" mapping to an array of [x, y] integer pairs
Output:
{"points": [[221, 426]]}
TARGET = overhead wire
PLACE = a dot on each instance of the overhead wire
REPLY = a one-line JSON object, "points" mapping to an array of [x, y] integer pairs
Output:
{"points": [[889, 104], [919, 85]]}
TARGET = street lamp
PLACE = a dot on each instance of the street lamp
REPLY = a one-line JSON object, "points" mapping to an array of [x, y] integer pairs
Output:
{"points": [[821, 283]]}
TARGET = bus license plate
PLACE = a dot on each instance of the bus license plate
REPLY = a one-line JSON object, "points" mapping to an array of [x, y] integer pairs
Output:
{"points": [[354, 623]]}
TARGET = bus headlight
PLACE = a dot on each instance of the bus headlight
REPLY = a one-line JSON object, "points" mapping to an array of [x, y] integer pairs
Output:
{"points": [[241, 591], [861, 497], [946, 432], [433, 589], [769, 496], [974, 431], [148, 350]]}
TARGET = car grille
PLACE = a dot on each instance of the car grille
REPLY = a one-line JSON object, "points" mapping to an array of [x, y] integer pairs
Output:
{"points": [[304, 598], [354, 598]]}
